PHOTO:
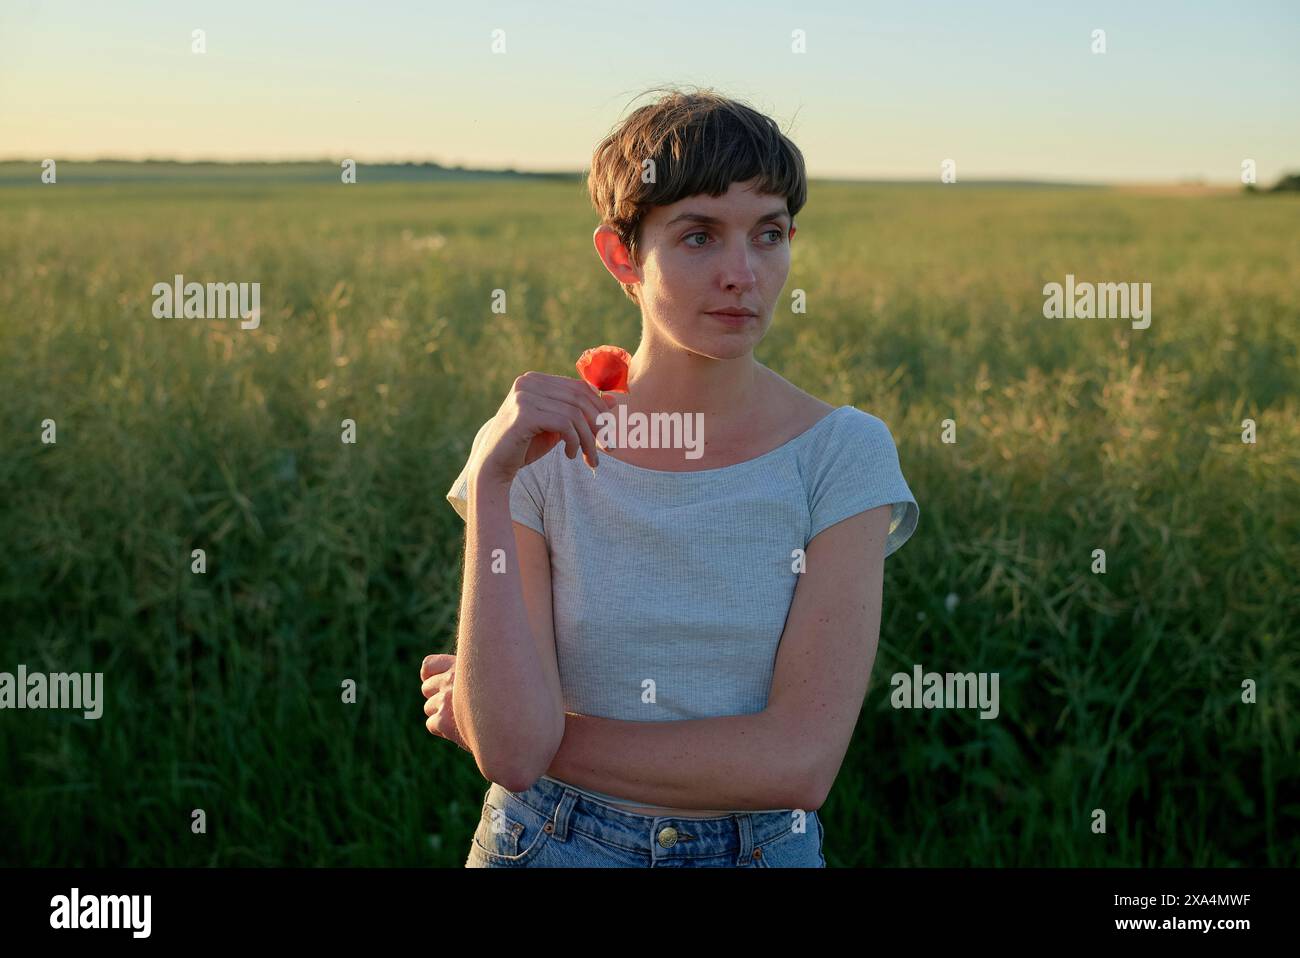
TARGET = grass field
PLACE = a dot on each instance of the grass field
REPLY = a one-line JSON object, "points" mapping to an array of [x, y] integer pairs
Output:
{"points": [[329, 561]]}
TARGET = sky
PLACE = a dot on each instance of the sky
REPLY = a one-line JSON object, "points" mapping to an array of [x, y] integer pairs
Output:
{"points": [[1183, 91]]}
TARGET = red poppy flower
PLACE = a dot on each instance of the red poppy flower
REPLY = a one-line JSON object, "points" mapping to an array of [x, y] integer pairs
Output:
{"points": [[605, 368]]}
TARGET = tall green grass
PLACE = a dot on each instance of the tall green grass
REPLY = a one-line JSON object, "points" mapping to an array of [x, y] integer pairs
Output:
{"points": [[329, 561]]}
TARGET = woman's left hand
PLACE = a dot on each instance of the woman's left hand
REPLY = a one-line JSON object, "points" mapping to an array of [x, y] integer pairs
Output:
{"points": [[437, 682]]}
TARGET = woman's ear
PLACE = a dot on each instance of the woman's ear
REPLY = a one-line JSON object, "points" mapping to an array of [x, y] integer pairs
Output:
{"points": [[792, 229]]}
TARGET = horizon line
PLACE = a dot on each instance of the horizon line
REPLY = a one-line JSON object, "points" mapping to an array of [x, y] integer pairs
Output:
{"points": [[1186, 181]]}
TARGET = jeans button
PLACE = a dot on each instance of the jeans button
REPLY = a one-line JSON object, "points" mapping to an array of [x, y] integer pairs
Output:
{"points": [[668, 837]]}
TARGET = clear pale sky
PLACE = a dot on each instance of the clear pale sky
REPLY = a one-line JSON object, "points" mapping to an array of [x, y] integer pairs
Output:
{"points": [[889, 90]]}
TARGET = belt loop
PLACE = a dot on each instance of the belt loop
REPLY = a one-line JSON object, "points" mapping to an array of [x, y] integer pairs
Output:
{"points": [[561, 814], [745, 832]]}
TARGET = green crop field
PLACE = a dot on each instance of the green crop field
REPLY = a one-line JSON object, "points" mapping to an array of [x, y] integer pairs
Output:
{"points": [[329, 561]]}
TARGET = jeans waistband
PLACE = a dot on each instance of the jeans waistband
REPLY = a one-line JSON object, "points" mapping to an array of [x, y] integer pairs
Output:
{"points": [[567, 808]]}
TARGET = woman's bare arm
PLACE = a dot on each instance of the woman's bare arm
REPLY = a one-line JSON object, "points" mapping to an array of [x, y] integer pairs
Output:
{"points": [[733, 761], [507, 704], [509, 710]]}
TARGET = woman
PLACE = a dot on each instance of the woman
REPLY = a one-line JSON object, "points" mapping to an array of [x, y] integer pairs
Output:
{"points": [[661, 659]]}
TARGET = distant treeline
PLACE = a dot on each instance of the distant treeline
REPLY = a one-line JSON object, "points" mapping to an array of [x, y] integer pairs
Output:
{"points": [[17, 172], [1287, 184]]}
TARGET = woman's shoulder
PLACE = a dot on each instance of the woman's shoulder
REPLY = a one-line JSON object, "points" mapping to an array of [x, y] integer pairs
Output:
{"points": [[806, 412], [840, 432], [801, 410]]}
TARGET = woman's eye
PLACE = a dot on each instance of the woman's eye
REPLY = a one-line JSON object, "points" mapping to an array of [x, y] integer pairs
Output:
{"points": [[779, 236]]}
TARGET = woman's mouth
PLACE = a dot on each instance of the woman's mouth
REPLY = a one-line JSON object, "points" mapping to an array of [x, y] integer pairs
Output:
{"points": [[733, 320]]}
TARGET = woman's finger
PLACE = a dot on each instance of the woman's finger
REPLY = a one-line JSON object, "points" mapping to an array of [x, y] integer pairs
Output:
{"points": [[433, 664], [437, 724], [573, 413], [434, 683], [587, 395], [554, 417], [586, 400], [577, 400], [569, 390]]}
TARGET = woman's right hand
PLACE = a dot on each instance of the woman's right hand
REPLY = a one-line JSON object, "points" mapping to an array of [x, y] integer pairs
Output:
{"points": [[539, 411]]}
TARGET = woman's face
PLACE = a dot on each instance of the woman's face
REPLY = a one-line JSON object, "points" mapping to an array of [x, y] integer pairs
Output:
{"points": [[706, 253]]}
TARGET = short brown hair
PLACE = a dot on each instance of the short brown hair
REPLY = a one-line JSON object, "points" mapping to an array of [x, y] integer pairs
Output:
{"points": [[701, 143]]}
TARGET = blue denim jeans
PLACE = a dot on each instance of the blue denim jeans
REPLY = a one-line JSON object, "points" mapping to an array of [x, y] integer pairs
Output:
{"points": [[551, 826]]}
